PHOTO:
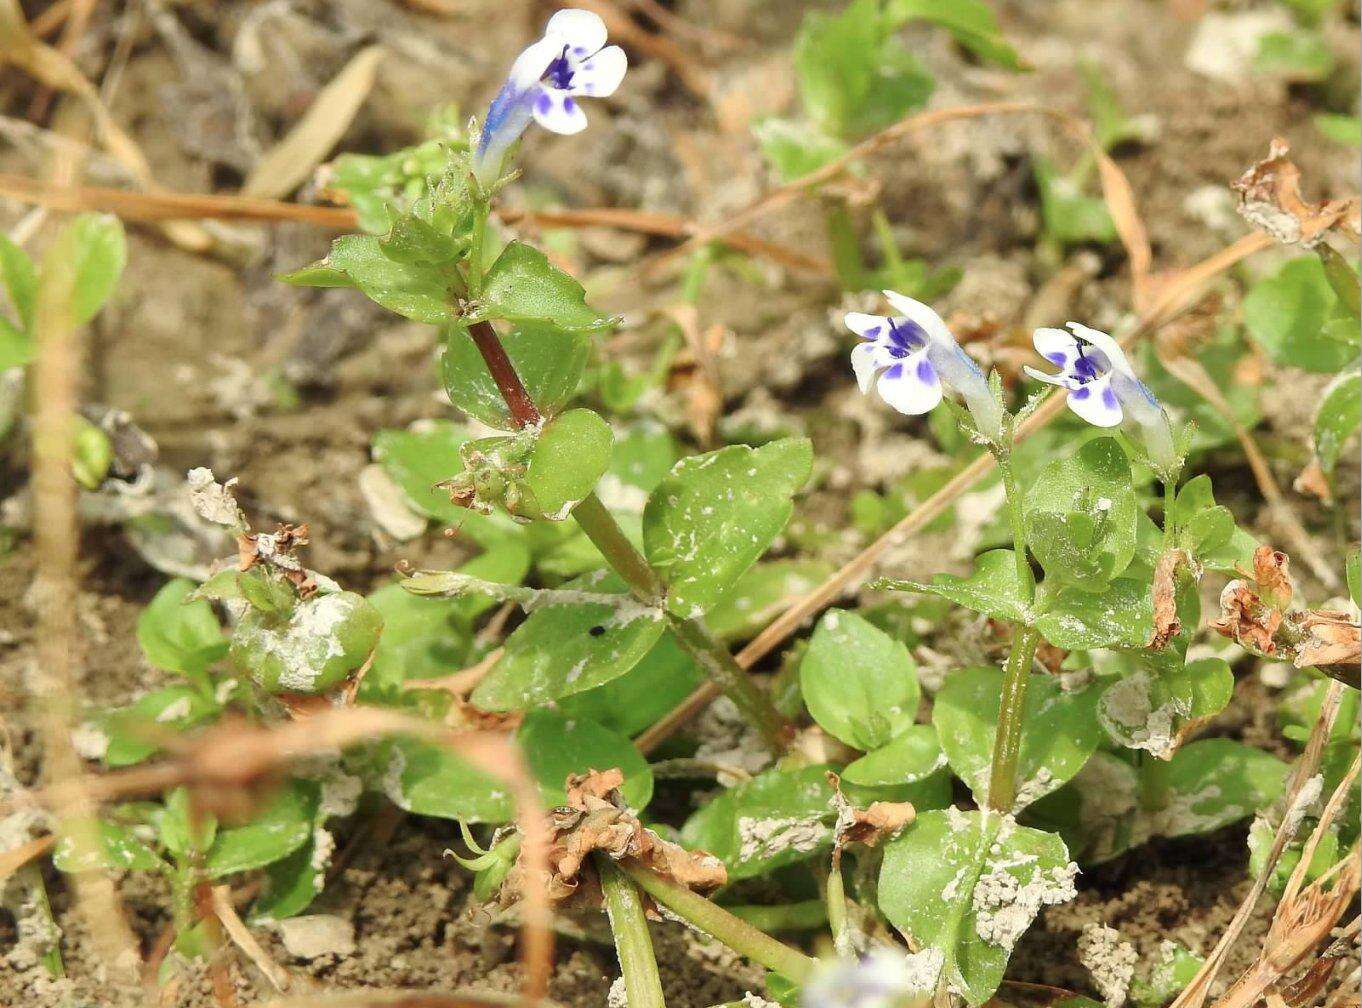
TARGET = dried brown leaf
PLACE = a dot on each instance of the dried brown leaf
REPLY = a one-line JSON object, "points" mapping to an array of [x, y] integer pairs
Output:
{"points": [[1245, 620], [1270, 199], [1166, 622], [1331, 638], [869, 826]]}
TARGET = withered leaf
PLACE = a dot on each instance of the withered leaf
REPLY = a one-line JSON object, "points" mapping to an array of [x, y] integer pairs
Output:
{"points": [[1270, 199], [1332, 638], [1246, 620], [1166, 622]]}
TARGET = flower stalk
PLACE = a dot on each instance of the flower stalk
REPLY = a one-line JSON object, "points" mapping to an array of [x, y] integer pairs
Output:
{"points": [[1002, 786], [633, 944], [717, 922]]}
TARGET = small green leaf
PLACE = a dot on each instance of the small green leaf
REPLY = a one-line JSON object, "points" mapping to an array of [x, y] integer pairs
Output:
{"points": [[1299, 55], [291, 884], [1059, 731], [523, 286], [1287, 314], [130, 730], [556, 745], [1208, 531], [1342, 277], [274, 834], [1338, 417], [1212, 783], [16, 347], [570, 455], [431, 780], [1081, 515], [119, 850], [95, 247], [1121, 615], [775, 819], [1345, 130], [859, 683], [20, 279], [180, 636], [972, 22], [418, 292], [1149, 708], [627, 704], [911, 756], [91, 454], [715, 515], [184, 832], [1070, 216], [953, 883], [761, 595], [549, 360], [991, 588], [413, 242], [324, 640], [1173, 970], [796, 148], [568, 648]]}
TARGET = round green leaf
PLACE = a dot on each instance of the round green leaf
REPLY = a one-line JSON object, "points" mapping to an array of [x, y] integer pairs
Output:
{"points": [[274, 834], [1288, 314], [119, 850], [1212, 783], [556, 745], [180, 636], [129, 730], [570, 455], [664, 677], [549, 360], [1338, 417], [859, 683], [911, 756], [431, 780], [1121, 614], [1149, 708], [325, 639], [523, 286]]}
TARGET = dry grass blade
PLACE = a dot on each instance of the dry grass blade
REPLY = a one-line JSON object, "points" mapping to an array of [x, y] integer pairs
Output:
{"points": [[1195, 993], [236, 930], [1125, 214], [461, 682], [16, 857], [289, 163], [410, 999], [77, 20], [51, 67]]}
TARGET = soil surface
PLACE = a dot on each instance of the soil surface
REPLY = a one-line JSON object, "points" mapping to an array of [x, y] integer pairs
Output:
{"points": [[192, 344]]}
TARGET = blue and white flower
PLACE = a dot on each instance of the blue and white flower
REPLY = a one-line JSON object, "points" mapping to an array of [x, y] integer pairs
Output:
{"points": [[882, 978], [570, 62], [1103, 387], [912, 357]]}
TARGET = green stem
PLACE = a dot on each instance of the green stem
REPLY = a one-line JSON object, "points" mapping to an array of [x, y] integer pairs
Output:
{"points": [[1169, 505], [1002, 787], [806, 915], [714, 920], [604, 532], [836, 898], [633, 944], [1014, 516]]}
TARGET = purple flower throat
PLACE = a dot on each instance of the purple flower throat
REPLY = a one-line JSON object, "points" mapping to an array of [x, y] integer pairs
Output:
{"points": [[559, 73]]}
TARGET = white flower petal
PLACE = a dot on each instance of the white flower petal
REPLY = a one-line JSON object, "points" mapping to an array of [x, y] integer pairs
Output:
{"points": [[930, 322], [1096, 403], [1062, 380], [1057, 346], [910, 385], [600, 75], [866, 359], [582, 31], [558, 112], [873, 327], [530, 65], [1104, 343]]}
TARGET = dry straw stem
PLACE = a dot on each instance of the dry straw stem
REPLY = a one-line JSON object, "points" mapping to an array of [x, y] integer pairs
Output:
{"points": [[288, 163], [16, 857], [19, 47], [241, 935], [411, 999], [1195, 993]]}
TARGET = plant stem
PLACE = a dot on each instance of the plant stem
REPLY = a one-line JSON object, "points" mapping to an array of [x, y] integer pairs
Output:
{"points": [[1002, 787], [836, 897], [1014, 515], [805, 915], [1169, 503], [714, 920], [604, 532], [633, 944]]}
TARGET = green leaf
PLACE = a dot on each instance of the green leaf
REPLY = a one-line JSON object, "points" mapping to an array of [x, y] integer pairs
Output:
{"points": [[1098, 812], [715, 515], [119, 850], [94, 246], [1121, 615], [1352, 568], [274, 834], [1149, 708], [414, 242], [570, 455], [1345, 130], [16, 346], [1288, 313], [627, 704], [1342, 277], [1081, 515], [1212, 783], [571, 647], [1208, 531], [761, 594], [418, 292], [431, 780], [179, 636], [972, 22], [964, 886], [1338, 417], [291, 884], [423, 637], [1068, 215], [549, 360], [854, 78], [795, 148], [1173, 970], [20, 278], [911, 756], [991, 588], [859, 683], [523, 286], [556, 745], [129, 730], [1300, 55], [644, 453], [775, 819], [324, 640], [183, 832], [1059, 731]]}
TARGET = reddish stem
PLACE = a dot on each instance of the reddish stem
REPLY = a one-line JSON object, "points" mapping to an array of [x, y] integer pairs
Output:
{"points": [[524, 413]]}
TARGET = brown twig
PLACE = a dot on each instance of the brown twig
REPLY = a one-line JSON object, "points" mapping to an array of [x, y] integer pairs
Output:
{"points": [[16, 857], [77, 19], [461, 682], [240, 934]]}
